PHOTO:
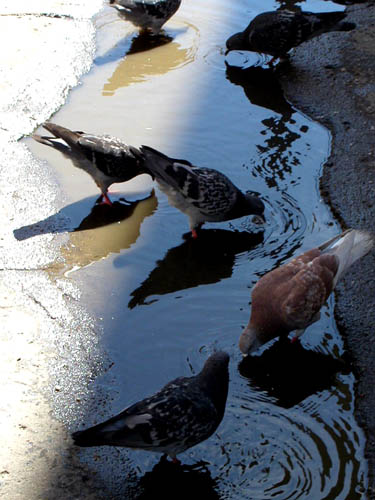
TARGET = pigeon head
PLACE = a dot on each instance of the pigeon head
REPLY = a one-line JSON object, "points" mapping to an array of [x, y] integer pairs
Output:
{"points": [[235, 42], [247, 204], [255, 204], [249, 341]]}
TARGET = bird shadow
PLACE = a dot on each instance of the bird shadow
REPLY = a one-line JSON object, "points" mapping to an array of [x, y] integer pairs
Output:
{"points": [[169, 481], [68, 219], [208, 259], [289, 373], [141, 42]]}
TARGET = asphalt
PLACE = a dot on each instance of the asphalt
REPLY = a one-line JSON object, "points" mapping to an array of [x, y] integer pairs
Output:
{"points": [[45, 332], [332, 80]]}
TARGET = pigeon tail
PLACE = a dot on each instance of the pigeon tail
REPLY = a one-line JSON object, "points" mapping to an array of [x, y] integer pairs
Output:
{"points": [[86, 439], [345, 26], [348, 247], [331, 17], [331, 21], [156, 162], [63, 133]]}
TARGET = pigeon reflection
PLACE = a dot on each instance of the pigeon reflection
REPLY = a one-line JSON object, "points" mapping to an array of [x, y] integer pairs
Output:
{"points": [[208, 259], [290, 373], [147, 55], [262, 88], [175, 481], [139, 43]]}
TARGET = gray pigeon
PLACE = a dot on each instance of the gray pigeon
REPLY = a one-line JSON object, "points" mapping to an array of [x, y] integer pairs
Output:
{"points": [[107, 159], [203, 194], [148, 15], [183, 413], [277, 32], [290, 297]]}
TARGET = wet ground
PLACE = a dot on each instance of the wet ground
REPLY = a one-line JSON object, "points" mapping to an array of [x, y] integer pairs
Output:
{"points": [[165, 301], [341, 95]]}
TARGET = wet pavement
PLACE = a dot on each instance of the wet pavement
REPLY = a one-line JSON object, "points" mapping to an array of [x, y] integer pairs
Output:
{"points": [[46, 47], [44, 312]]}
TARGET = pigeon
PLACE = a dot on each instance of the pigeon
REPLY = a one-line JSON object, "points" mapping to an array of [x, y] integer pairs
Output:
{"points": [[290, 297], [148, 15], [183, 413], [203, 194], [107, 159], [276, 32]]}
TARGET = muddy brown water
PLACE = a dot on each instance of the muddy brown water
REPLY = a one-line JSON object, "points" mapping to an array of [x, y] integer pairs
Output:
{"points": [[165, 301]]}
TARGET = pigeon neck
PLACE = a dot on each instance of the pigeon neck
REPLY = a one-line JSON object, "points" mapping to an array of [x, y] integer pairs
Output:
{"points": [[215, 383]]}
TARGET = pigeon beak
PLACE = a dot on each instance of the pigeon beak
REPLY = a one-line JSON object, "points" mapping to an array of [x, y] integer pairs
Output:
{"points": [[226, 52]]}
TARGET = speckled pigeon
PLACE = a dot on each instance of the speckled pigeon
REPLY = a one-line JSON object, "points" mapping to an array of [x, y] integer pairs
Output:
{"points": [[290, 297], [203, 194], [148, 15], [183, 413], [107, 159], [277, 32]]}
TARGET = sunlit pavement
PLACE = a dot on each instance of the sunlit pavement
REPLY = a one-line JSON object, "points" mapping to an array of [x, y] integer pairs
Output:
{"points": [[46, 46]]}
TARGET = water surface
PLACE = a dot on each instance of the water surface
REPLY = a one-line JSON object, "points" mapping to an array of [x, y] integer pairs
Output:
{"points": [[166, 301]]}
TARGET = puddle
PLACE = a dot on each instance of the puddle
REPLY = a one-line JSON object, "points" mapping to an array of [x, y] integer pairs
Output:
{"points": [[166, 301]]}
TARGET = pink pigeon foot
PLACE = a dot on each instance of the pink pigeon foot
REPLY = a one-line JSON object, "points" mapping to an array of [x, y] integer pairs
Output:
{"points": [[105, 200]]}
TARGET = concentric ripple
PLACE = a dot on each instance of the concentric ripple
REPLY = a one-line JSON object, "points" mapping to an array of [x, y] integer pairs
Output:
{"points": [[279, 454]]}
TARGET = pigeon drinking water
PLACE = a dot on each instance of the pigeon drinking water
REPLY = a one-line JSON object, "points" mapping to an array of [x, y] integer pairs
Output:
{"points": [[203, 194], [183, 413], [291, 296], [277, 32]]}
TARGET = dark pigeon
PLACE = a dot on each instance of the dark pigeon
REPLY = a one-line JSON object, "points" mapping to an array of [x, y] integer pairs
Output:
{"points": [[148, 15], [203, 194], [183, 413], [107, 159], [276, 32], [290, 297]]}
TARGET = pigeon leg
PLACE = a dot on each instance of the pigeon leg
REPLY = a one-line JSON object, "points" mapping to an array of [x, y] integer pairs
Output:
{"points": [[175, 460], [194, 230], [295, 339], [105, 200]]}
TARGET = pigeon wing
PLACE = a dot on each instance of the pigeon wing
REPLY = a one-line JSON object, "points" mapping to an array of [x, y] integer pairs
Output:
{"points": [[110, 155], [304, 294]]}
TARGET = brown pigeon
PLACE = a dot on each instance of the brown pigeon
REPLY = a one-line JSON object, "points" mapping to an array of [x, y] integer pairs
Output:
{"points": [[290, 297]]}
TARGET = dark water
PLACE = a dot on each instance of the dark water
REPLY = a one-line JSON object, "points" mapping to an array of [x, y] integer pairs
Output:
{"points": [[165, 301]]}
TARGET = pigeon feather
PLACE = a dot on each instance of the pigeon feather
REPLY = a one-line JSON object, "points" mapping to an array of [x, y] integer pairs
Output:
{"points": [[203, 194], [106, 159], [183, 413], [290, 297], [148, 15], [277, 32]]}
